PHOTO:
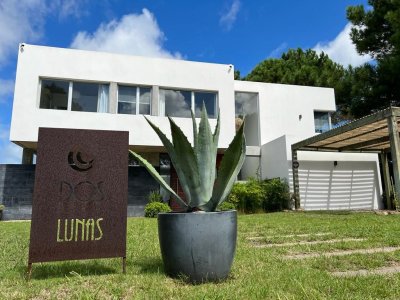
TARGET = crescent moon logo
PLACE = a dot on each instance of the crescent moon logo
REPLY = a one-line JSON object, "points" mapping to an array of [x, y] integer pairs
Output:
{"points": [[79, 161]]}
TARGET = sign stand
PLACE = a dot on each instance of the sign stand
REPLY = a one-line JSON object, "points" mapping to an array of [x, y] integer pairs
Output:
{"points": [[79, 207]]}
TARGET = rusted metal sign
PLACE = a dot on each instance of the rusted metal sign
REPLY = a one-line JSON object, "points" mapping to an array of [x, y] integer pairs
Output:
{"points": [[80, 196]]}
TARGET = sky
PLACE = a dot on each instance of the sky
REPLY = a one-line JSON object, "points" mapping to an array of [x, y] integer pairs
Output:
{"points": [[238, 32]]}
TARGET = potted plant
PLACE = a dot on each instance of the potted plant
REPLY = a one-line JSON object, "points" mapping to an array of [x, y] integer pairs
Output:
{"points": [[199, 242]]}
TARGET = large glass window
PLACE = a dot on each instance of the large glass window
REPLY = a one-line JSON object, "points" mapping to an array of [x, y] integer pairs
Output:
{"points": [[175, 103], [128, 97], [76, 96], [209, 99], [90, 97], [54, 94], [178, 103], [246, 105], [322, 121]]}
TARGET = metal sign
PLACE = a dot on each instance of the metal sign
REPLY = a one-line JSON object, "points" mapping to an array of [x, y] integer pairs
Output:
{"points": [[79, 206], [295, 164]]}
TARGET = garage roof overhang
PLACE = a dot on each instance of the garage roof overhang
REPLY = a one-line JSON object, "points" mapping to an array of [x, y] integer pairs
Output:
{"points": [[378, 132], [368, 134]]}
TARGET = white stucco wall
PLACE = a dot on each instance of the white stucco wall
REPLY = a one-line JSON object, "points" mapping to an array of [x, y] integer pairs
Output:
{"points": [[37, 62], [280, 106]]}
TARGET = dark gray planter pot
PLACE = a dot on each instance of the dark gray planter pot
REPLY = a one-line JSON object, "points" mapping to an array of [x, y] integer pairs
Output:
{"points": [[199, 246]]}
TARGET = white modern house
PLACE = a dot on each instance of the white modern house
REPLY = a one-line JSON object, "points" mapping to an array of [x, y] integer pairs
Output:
{"points": [[65, 88]]}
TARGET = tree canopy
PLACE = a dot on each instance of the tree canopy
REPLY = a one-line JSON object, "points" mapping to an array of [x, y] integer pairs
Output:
{"points": [[300, 67], [376, 32]]}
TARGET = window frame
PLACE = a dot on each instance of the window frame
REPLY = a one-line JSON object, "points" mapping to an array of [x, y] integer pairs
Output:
{"points": [[137, 102], [192, 100], [70, 91], [329, 120]]}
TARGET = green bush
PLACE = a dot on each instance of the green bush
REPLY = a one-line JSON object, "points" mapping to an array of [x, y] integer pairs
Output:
{"points": [[247, 197], [277, 195], [155, 196], [152, 209], [1, 207], [226, 206], [256, 195]]}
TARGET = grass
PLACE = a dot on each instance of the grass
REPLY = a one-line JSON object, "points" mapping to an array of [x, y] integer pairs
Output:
{"points": [[257, 273]]}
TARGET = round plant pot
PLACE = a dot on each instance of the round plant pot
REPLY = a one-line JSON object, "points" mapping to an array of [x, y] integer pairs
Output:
{"points": [[198, 246]]}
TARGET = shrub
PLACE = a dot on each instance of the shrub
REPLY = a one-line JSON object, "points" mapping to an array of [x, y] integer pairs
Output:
{"points": [[1, 207], [277, 195], [226, 206], [256, 195], [247, 197], [154, 196], [152, 209]]}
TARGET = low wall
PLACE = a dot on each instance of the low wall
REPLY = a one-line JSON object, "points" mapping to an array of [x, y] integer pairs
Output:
{"points": [[17, 181]]}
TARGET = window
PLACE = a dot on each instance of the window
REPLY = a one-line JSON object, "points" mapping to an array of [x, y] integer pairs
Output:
{"points": [[127, 100], [75, 96], [322, 121], [179, 103], [54, 94], [89, 97], [209, 100], [246, 105]]}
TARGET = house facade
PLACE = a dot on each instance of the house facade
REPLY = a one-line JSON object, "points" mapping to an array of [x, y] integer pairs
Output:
{"points": [[65, 88]]}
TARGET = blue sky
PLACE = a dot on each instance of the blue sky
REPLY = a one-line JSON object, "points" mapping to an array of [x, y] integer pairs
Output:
{"points": [[238, 32]]}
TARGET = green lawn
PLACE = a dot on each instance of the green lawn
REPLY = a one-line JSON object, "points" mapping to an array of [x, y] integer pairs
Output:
{"points": [[257, 273]]}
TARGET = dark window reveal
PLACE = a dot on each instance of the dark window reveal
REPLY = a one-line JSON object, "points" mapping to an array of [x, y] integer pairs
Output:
{"points": [[54, 94]]}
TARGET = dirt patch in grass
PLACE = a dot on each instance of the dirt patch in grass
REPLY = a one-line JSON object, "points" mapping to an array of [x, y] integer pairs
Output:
{"points": [[387, 270], [342, 253], [255, 238], [264, 245]]}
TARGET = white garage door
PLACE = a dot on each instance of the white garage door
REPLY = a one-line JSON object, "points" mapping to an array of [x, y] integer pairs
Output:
{"points": [[348, 185]]}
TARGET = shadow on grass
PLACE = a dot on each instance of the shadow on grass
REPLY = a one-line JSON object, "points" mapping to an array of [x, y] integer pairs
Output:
{"points": [[68, 269], [150, 265]]}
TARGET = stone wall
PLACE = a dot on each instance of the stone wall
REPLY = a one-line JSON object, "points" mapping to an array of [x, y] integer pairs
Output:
{"points": [[17, 181]]}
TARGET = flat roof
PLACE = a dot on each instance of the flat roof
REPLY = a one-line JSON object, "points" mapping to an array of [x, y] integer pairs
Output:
{"points": [[368, 134]]}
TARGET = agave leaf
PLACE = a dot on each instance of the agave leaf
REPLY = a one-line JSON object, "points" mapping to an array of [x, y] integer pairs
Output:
{"points": [[230, 167], [195, 138], [153, 172], [216, 130], [206, 157], [187, 164], [174, 159]]}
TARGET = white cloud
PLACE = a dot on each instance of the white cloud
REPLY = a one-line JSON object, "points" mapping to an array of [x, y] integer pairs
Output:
{"points": [[277, 52], [24, 20], [10, 153], [342, 50], [135, 34], [229, 17], [69, 8], [6, 89], [19, 21]]}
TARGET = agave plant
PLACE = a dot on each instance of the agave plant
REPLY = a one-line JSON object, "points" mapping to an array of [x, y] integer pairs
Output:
{"points": [[196, 166]]}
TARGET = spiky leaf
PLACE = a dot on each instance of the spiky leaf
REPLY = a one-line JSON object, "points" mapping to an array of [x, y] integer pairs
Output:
{"points": [[206, 157], [153, 172], [174, 159], [230, 167], [187, 164], [194, 124]]}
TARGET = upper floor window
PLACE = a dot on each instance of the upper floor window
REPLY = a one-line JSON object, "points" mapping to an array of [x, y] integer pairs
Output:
{"points": [[246, 105], [90, 97], [134, 100], [180, 103], [322, 121], [75, 96], [54, 94]]}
